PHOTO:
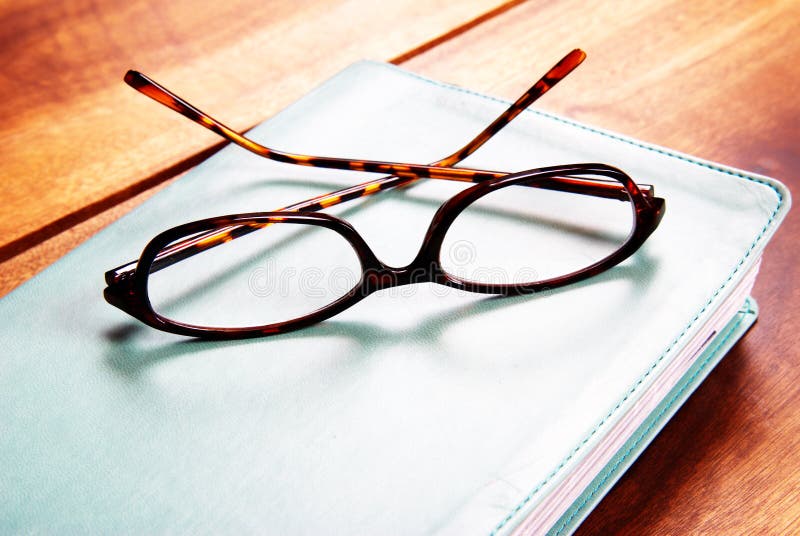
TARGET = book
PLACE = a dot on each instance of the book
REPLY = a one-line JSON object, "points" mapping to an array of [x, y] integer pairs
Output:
{"points": [[418, 410]]}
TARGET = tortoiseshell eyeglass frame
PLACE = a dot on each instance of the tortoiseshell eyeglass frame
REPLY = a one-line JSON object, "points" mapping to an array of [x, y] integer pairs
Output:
{"points": [[128, 284]]}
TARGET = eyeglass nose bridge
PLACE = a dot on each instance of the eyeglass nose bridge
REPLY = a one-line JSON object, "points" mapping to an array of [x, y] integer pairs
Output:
{"points": [[382, 276]]}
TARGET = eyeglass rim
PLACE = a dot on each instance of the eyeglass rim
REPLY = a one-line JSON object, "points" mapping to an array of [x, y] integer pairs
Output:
{"points": [[647, 214], [132, 295]]}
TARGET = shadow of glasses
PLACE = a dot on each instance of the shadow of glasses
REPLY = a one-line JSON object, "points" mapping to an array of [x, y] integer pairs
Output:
{"points": [[129, 357]]}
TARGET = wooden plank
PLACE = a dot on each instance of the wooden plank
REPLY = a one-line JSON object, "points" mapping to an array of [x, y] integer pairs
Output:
{"points": [[30, 262], [716, 79], [74, 138]]}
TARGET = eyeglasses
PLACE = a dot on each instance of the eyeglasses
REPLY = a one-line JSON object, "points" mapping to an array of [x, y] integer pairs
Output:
{"points": [[256, 274]]}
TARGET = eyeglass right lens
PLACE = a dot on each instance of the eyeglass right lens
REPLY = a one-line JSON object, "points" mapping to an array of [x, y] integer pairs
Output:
{"points": [[273, 274], [521, 234]]}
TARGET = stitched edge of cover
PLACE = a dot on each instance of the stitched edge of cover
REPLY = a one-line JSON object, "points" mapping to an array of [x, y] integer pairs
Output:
{"points": [[657, 420], [659, 150]]}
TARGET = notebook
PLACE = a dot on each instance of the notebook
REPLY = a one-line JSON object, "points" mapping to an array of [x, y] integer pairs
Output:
{"points": [[417, 411]]}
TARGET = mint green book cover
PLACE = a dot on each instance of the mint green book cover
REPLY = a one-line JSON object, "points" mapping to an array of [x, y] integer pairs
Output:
{"points": [[414, 412]]}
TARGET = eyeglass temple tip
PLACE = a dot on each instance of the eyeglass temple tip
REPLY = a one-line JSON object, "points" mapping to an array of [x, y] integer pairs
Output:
{"points": [[150, 88], [135, 79], [143, 84], [574, 58]]}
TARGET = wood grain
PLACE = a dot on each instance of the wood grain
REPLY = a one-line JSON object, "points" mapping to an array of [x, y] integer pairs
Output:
{"points": [[73, 135], [715, 79]]}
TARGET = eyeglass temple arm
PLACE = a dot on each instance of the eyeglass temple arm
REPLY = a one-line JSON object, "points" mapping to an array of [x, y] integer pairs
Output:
{"points": [[552, 77], [403, 173], [557, 73], [192, 246], [406, 174], [155, 91], [159, 93]]}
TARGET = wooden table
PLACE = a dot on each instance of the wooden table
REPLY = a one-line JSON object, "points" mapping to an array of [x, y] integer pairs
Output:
{"points": [[718, 79]]}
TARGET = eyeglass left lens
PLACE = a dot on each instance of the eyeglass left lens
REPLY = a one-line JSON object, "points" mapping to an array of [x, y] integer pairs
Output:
{"points": [[273, 274]]}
